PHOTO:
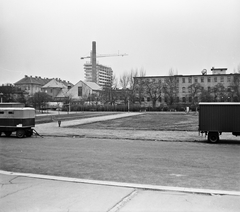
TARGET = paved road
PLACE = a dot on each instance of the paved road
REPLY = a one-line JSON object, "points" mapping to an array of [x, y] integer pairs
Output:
{"points": [[182, 164], [141, 158]]}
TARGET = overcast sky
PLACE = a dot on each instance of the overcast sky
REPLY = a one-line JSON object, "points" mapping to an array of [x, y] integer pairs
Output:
{"points": [[47, 37]]}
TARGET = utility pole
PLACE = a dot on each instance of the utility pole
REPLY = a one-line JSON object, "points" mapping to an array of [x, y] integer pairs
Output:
{"points": [[1, 94]]}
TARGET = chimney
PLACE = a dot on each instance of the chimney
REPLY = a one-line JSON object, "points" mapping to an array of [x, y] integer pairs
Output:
{"points": [[94, 62]]}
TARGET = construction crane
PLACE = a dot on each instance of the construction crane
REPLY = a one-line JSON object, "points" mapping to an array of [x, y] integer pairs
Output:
{"points": [[105, 55], [93, 56]]}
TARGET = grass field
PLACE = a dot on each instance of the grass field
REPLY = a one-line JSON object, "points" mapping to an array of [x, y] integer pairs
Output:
{"points": [[150, 121]]}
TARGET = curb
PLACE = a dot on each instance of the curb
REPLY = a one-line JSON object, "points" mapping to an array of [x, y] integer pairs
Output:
{"points": [[125, 185]]}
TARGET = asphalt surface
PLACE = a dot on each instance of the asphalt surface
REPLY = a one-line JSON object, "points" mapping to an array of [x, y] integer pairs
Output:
{"points": [[29, 192]]}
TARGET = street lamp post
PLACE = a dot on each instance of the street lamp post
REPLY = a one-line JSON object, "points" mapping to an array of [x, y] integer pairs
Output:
{"points": [[1, 95]]}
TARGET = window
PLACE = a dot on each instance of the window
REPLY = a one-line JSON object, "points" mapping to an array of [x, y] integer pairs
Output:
{"points": [[229, 79], [190, 80], [10, 112], [142, 99], [79, 91], [183, 80], [184, 99], [202, 79], [183, 89], [189, 90], [1, 112], [215, 79], [209, 89], [209, 79], [195, 80], [177, 99], [222, 79], [148, 99], [190, 99]]}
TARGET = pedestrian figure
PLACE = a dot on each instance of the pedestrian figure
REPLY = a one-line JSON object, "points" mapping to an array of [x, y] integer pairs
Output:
{"points": [[59, 123]]}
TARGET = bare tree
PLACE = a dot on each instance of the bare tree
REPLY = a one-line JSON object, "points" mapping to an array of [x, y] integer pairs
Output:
{"points": [[206, 96], [235, 87], [170, 88], [114, 82], [131, 76], [124, 80], [195, 93], [107, 95], [39, 100], [219, 93], [153, 90], [138, 89]]}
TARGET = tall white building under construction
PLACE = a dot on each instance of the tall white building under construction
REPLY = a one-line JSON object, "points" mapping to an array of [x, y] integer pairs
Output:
{"points": [[103, 74], [100, 74]]}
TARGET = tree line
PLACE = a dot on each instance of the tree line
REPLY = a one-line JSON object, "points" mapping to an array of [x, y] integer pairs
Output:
{"points": [[134, 93]]}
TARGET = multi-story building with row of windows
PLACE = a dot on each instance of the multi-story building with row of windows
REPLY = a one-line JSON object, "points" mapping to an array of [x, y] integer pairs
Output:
{"points": [[103, 74], [184, 87]]}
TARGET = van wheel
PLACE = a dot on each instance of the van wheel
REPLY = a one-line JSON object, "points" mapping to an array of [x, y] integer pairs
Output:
{"points": [[20, 133], [213, 137], [8, 133]]}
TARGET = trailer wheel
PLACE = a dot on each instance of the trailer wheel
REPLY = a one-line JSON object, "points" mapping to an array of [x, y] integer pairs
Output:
{"points": [[0, 133], [20, 133], [8, 133], [213, 137]]}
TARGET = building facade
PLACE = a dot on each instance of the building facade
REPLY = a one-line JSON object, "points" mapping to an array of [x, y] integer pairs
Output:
{"points": [[31, 84], [56, 86], [103, 74], [155, 91], [83, 90]]}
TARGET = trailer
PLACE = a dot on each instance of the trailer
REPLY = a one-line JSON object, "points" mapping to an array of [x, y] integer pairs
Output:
{"points": [[216, 118], [17, 119]]}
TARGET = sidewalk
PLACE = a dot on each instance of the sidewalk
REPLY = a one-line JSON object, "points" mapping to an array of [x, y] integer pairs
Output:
{"points": [[31, 192]]}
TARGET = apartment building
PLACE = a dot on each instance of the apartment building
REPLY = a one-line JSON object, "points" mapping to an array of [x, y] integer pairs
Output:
{"points": [[103, 74], [31, 84], [185, 88]]}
